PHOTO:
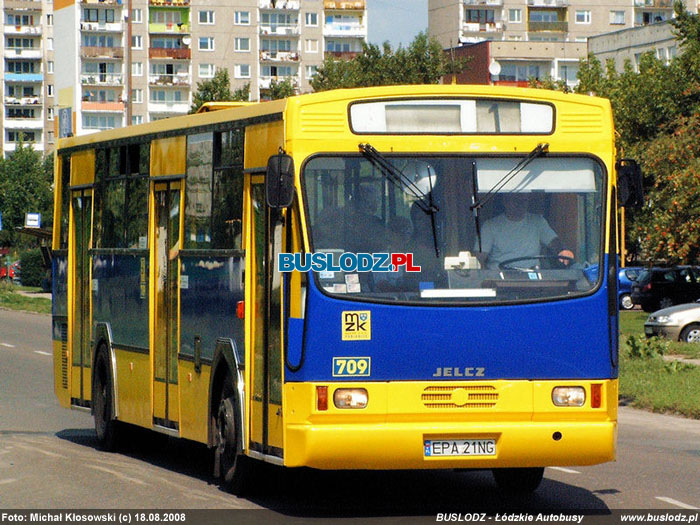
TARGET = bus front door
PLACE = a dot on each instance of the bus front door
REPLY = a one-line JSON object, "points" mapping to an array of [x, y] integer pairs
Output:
{"points": [[166, 256], [81, 213], [266, 432]]}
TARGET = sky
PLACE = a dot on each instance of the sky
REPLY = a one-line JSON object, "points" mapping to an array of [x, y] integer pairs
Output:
{"points": [[397, 21]]}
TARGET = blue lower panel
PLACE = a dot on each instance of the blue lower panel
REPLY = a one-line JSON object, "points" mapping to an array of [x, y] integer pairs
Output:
{"points": [[210, 289]]}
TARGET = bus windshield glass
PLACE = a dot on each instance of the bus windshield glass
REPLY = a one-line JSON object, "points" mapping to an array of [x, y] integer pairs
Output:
{"points": [[537, 235]]}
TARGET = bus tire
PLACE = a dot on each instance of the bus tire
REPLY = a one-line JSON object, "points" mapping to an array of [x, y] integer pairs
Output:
{"points": [[106, 427], [231, 463], [518, 481]]}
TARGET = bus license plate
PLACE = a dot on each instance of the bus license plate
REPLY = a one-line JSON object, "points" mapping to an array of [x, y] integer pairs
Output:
{"points": [[459, 447]]}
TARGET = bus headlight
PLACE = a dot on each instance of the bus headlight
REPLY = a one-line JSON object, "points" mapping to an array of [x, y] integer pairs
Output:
{"points": [[350, 398], [569, 396]]}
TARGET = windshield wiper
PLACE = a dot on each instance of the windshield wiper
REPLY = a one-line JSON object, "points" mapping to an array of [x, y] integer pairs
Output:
{"points": [[401, 181], [540, 150]]}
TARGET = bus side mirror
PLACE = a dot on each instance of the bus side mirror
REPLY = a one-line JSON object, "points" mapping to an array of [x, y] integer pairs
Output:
{"points": [[279, 183], [629, 184]]}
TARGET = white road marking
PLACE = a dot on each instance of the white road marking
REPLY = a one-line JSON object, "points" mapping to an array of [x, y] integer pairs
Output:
{"points": [[116, 474], [677, 503], [567, 470], [7, 345], [40, 451], [41, 353]]}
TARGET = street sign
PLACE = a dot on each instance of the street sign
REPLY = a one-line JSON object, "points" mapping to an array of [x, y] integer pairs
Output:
{"points": [[32, 220]]}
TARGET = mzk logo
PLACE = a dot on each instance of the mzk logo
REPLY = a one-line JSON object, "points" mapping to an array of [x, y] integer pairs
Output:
{"points": [[346, 262]]}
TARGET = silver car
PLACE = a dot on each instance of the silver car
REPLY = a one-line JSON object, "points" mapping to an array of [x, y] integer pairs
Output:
{"points": [[678, 323]]}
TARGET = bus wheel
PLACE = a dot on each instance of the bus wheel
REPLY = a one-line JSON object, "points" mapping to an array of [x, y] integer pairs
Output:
{"points": [[106, 426], [518, 480], [230, 462]]}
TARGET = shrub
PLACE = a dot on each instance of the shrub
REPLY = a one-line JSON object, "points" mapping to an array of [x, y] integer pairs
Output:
{"points": [[32, 272]]}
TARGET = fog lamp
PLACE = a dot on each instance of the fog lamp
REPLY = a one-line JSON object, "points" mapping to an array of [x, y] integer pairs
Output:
{"points": [[569, 396], [350, 398]]}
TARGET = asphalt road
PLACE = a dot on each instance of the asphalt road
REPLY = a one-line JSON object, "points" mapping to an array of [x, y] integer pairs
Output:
{"points": [[49, 459]]}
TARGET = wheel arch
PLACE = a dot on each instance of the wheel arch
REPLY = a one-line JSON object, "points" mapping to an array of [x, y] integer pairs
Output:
{"points": [[226, 362]]}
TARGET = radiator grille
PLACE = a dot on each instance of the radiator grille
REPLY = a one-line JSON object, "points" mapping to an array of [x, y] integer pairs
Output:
{"points": [[460, 396], [64, 356]]}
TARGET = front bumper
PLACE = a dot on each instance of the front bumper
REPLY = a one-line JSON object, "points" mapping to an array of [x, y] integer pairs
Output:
{"points": [[671, 332], [528, 429]]}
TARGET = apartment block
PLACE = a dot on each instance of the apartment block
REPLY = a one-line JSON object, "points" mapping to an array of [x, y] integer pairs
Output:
{"points": [[27, 81], [134, 61], [537, 38]]}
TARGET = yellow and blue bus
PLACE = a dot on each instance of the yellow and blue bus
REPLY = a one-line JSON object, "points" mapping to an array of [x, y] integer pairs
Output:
{"points": [[171, 313]]}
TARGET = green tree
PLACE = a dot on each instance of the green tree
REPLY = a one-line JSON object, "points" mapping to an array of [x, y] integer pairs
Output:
{"points": [[281, 89], [422, 62], [26, 187], [218, 89]]}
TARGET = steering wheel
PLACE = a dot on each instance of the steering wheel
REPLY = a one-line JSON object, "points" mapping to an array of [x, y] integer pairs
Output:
{"points": [[506, 265]]}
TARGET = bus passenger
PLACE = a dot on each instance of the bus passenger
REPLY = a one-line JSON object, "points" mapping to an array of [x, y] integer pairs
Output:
{"points": [[517, 234]]}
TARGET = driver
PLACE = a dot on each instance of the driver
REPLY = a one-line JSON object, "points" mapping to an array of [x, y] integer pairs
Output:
{"points": [[517, 234]]}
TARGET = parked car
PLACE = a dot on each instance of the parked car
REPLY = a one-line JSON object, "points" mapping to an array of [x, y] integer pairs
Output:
{"points": [[13, 271], [625, 278], [678, 323], [658, 288]]}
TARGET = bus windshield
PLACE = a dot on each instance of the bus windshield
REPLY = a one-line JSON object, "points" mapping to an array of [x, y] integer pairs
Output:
{"points": [[537, 236]]}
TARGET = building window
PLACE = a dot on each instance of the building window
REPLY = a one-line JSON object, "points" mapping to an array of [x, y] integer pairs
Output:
{"points": [[311, 19], [206, 43], [90, 15], [568, 73], [206, 70], [241, 44], [581, 39], [241, 18], [136, 119], [136, 16], [49, 113], [136, 42], [583, 16], [50, 137], [479, 16], [311, 46], [137, 96], [49, 44], [311, 72], [49, 20], [518, 72], [49, 90], [206, 17], [617, 17], [515, 38], [137, 69], [515, 16], [49, 66], [109, 16], [242, 71]]}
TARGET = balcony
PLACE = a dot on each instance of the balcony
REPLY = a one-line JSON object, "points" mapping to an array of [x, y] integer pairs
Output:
{"points": [[23, 5], [491, 3], [354, 5], [177, 79], [107, 107], [279, 56], [280, 30], [24, 123], [345, 30], [562, 27], [169, 28], [22, 52], [182, 53], [102, 52], [169, 3], [548, 3], [265, 82], [95, 27], [22, 30], [654, 4], [24, 77], [342, 55], [23, 101], [279, 4], [101, 2], [169, 109], [488, 27], [101, 79]]}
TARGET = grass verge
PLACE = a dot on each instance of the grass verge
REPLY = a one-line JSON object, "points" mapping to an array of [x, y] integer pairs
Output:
{"points": [[12, 300], [647, 380]]}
